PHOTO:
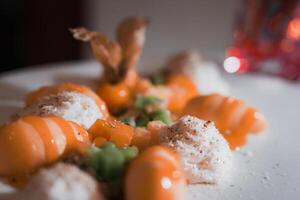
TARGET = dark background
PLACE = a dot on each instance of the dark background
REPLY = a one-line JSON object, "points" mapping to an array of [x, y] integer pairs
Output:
{"points": [[36, 32]]}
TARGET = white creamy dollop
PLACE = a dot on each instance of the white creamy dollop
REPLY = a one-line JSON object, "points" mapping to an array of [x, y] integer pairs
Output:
{"points": [[72, 106], [60, 182], [205, 154], [206, 75], [208, 79]]}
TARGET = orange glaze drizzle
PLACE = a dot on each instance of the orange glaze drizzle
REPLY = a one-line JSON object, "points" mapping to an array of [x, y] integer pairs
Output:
{"points": [[155, 174], [31, 142], [232, 117]]}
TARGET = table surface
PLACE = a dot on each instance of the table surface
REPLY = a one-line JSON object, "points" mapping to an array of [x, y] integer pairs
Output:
{"points": [[266, 168]]}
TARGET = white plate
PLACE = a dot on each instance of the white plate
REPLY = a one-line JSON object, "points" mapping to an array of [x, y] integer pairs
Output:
{"points": [[266, 168]]}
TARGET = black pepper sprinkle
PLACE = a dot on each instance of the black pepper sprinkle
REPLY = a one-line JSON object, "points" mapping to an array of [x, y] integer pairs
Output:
{"points": [[206, 124]]}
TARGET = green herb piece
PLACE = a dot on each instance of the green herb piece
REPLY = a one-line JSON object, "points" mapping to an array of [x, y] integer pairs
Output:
{"points": [[130, 153], [109, 162], [143, 101], [162, 115], [142, 120], [129, 121]]}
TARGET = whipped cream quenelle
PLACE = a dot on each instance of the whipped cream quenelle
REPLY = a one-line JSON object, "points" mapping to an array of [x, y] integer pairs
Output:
{"points": [[204, 74], [205, 154], [72, 106]]}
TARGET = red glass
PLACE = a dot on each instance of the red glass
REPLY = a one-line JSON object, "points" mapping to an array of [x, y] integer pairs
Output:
{"points": [[267, 38]]}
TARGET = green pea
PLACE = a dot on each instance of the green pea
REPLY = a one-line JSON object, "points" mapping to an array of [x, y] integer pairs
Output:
{"points": [[93, 157], [114, 163], [143, 101], [142, 120], [162, 115], [129, 121], [130, 152], [109, 161], [108, 145]]}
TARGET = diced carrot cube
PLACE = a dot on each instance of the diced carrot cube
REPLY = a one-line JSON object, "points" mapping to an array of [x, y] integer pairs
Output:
{"points": [[113, 130]]}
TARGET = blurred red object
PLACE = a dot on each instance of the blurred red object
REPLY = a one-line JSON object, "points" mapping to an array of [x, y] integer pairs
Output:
{"points": [[266, 39]]}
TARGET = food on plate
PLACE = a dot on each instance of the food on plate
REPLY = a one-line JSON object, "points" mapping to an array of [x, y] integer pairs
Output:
{"points": [[120, 82], [73, 106], [135, 137], [146, 109], [145, 137], [112, 130], [31, 142], [118, 58], [233, 117], [155, 174], [118, 95], [204, 74], [60, 182], [205, 154], [174, 90], [108, 161], [182, 90], [34, 96]]}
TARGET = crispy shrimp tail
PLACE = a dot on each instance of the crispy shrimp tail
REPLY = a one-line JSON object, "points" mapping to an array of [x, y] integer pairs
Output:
{"points": [[117, 57], [107, 52], [131, 37]]}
